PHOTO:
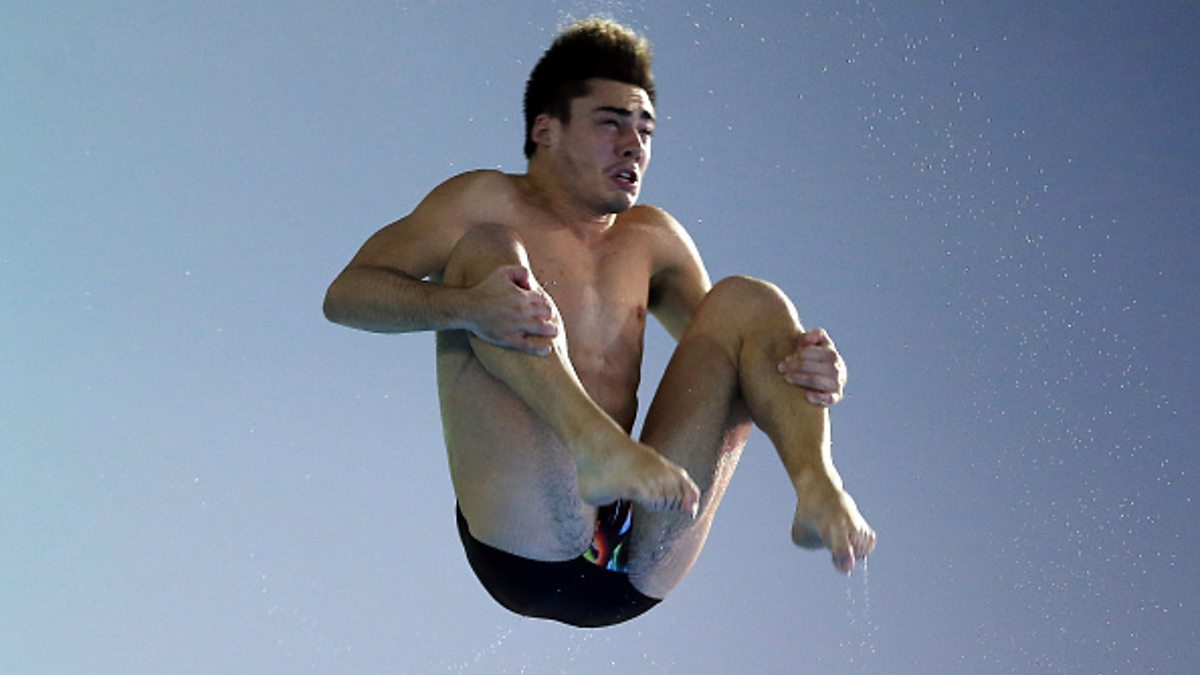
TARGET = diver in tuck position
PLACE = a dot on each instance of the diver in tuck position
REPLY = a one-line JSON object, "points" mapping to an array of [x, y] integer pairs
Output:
{"points": [[538, 286]]}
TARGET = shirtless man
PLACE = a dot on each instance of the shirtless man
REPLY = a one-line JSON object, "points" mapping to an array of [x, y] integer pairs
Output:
{"points": [[538, 286]]}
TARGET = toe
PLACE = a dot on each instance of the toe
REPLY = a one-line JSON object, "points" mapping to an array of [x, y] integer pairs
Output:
{"points": [[864, 543], [844, 560], [843, 552]]}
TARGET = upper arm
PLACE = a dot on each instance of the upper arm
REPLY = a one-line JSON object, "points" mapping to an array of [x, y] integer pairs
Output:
{"points": [[679, 280], [419, 244]]}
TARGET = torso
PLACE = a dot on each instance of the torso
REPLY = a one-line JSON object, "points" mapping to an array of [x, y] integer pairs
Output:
{"points": [[497, 447]]}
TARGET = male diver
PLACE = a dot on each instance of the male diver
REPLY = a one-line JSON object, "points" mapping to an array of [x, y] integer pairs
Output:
{"points": [[538, 286]]}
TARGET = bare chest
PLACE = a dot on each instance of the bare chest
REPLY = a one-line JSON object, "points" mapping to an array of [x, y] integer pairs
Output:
{"points": [[601, 291]]}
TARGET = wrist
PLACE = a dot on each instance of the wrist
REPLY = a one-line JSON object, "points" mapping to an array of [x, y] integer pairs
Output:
{"points": [[458, 309]]}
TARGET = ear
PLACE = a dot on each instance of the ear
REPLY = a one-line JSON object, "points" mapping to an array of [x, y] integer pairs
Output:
{"points": [[545, 130]]}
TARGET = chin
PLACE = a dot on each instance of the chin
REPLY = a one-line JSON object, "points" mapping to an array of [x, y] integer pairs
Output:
{"points": [[620, 205]]}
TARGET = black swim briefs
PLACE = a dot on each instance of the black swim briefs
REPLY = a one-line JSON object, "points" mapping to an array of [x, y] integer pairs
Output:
{"points": [[575, 592]]}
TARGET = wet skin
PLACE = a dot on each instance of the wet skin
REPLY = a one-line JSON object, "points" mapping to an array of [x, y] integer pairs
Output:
{"points": [[539, 286]]}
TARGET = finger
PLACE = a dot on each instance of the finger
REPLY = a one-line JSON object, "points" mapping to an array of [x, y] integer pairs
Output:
{"points": [[536, 348], [821, 399], [802, 366], [821, 353], [812, 381], [540, 309], [546, 302], [541, 312], [835, 370], [546, 329], [526, 343], [813, 354]]}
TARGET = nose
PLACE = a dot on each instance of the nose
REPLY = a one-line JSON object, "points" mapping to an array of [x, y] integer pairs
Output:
{"points": [[633, 146]]}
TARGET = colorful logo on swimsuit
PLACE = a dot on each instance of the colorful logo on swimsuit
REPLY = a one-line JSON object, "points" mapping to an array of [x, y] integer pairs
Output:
{"points": [[613, 523]]}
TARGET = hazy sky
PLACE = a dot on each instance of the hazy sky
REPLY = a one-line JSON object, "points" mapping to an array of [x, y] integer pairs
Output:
{"points": [[990, 206]]}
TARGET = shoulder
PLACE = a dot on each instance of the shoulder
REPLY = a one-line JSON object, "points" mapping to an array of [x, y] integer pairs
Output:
{"points": [[420, 243], [487, 179], [669, 239], [652, 217], [468, 199], [472, 185]]}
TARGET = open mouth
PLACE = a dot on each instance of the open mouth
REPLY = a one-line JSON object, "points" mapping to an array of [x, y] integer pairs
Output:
{"points": [[626, 177]]}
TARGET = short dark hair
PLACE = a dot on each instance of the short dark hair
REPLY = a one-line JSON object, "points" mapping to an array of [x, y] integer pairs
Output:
{"points": [[596, 47]]}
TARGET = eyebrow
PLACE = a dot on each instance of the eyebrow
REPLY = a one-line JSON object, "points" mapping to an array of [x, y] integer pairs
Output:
{"points": [[624, 112]]}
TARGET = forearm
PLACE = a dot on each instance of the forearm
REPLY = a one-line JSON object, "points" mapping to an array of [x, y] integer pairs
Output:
{"points": [[382, 300]]}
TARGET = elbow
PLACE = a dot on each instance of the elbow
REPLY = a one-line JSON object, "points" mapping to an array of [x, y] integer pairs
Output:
{"points": [[359, 299], [333, 306]]}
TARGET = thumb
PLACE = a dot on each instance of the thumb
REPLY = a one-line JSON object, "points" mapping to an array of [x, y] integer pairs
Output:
{"points": [[816, 336], [520, 276]]}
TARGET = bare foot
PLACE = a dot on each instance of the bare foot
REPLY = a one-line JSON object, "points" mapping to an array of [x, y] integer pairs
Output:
{"points": [[827, 517], [613, 466]]}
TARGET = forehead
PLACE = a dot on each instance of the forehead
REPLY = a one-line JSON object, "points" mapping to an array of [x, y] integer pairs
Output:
{"points": [[613, 94]]}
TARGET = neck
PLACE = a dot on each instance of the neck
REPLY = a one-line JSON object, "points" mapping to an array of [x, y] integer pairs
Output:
{"points": [[556, 197]]}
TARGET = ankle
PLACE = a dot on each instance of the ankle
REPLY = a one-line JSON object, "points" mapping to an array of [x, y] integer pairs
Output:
{"points": [[816, 479], [593, 443]]}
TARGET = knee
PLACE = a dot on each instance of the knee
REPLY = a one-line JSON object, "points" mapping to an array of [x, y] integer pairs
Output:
{"points": [[743, 296], [482, 249], [739, 310]]}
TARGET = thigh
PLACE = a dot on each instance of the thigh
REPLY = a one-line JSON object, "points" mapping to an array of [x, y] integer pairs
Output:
{"points": [[514, 481], [698, 421]]}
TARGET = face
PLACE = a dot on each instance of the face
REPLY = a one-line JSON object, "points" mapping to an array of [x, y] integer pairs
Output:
{"points": [[604, 150]]}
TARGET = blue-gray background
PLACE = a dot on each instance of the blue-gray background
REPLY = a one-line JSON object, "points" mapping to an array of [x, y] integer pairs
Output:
{"points": [[991, 206]]}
